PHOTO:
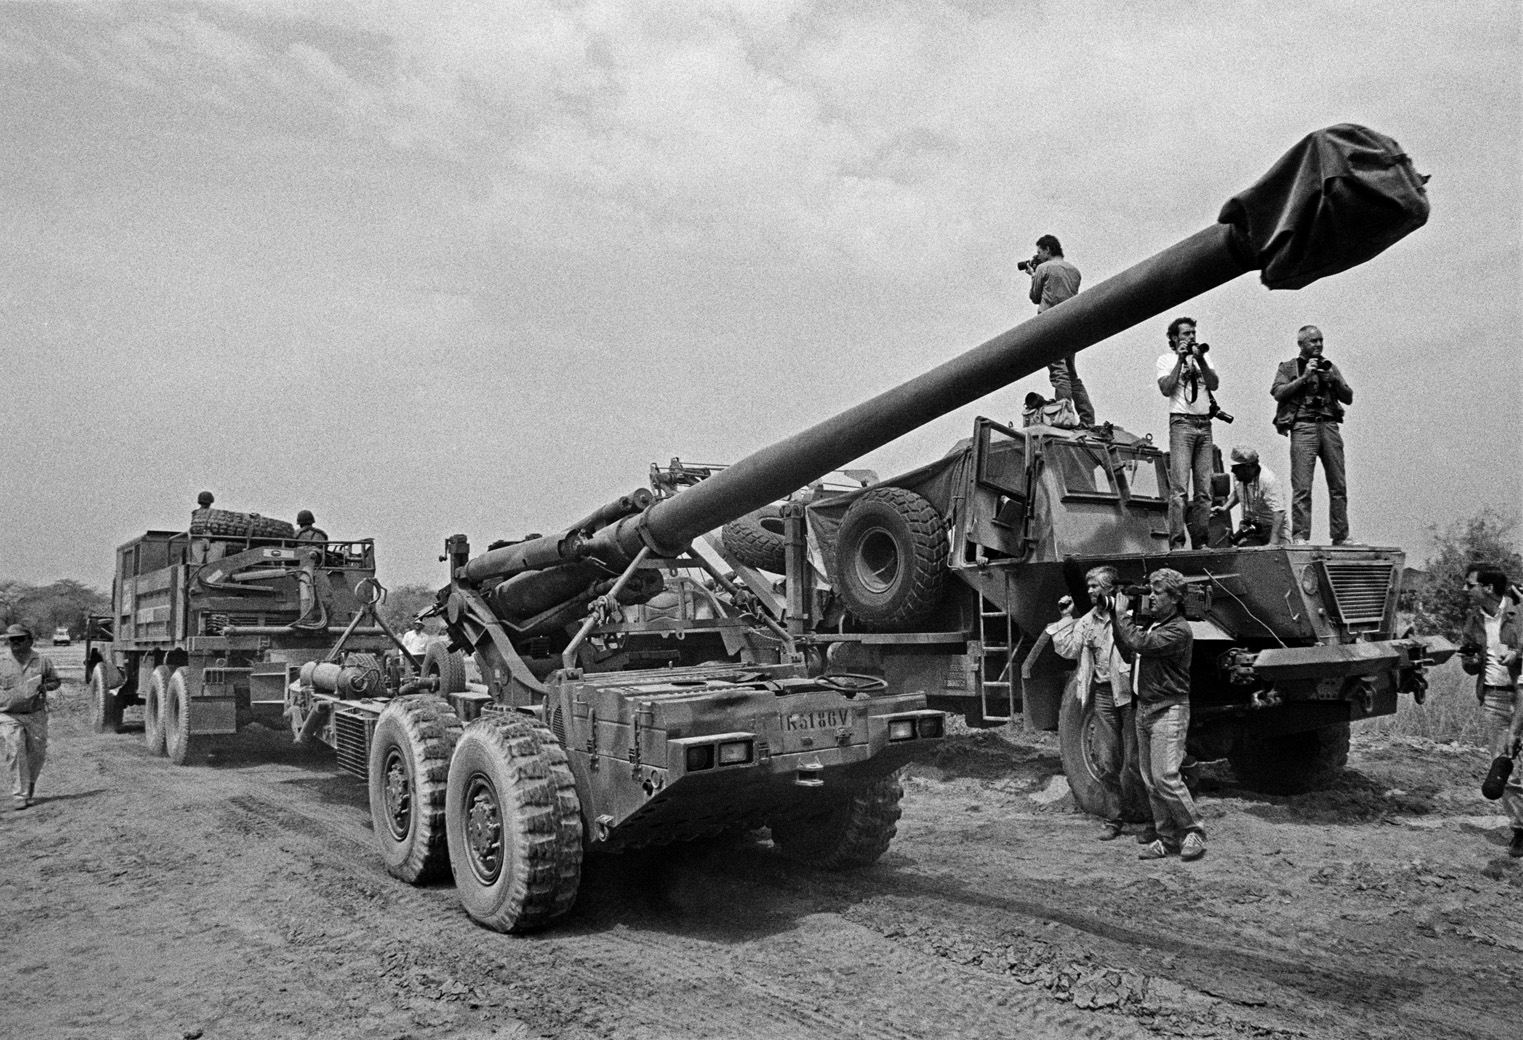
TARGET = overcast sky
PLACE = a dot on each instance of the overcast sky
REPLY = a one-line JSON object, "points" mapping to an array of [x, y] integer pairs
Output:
{"points": [[435, 267]]}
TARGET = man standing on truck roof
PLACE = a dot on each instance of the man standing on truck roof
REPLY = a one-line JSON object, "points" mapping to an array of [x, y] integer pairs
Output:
{"points": [[1311, 393], [1053, 280], [26, 677], [1262, 496], [1188, 379], [1161, 656], [1491, 643], [1104, 675]]}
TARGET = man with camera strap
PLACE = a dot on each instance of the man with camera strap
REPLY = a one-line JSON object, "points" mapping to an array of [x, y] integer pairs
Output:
{"points": [[1311, 393], [1188, 379]]}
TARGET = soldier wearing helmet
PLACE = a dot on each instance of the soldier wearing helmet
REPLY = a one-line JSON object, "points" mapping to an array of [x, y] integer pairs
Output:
{"points": [[305, 531]]}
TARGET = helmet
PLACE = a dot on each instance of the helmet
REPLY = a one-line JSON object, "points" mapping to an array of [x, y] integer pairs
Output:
{"points": [[205, 499], [305, 518]]}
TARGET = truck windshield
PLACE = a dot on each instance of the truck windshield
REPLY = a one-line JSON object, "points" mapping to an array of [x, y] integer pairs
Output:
{"points": [[1085, 472]]}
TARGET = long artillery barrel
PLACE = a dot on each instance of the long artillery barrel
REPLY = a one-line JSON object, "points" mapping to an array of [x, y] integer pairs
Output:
{"points": [[1339, 197]]}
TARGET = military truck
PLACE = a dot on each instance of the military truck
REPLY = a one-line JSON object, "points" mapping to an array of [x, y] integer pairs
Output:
{"points": [[210, 627], [943, 580], [601, 728]]}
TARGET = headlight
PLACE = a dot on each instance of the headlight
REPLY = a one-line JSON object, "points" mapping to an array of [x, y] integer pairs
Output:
{"points": [[931, 726], [700, 757], [1309, 583], [901, 729], [734, 753]]}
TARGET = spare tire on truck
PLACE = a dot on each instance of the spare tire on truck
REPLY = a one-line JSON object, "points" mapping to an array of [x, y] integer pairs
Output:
{"points": [[756, 539], [890, 563], [224, 523]]}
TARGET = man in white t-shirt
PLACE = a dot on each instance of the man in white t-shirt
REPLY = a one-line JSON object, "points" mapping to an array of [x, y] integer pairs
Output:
{"points": [[415, 639], [1491, 642], [1187, 378], [1262, 496]]}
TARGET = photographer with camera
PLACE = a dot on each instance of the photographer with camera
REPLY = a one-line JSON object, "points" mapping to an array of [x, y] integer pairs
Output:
{"points": [[1262, 497], [1188, 379], [1103, 675], [1160, 655], [1491, 649], [1311, 393], [1053, 280]]}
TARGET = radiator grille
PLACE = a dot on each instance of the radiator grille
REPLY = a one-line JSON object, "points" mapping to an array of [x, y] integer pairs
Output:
{"points": [[1360, 590], [351, 741]]}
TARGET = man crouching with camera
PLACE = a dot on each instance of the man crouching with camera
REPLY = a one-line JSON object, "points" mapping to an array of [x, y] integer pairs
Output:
{"points": [[1161, 654]]}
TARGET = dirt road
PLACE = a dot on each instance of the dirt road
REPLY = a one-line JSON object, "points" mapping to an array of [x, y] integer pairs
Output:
{"points": [[243, 900]]}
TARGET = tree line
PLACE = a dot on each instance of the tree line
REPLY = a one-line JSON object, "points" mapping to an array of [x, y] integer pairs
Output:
{"points": [[42, 608]]}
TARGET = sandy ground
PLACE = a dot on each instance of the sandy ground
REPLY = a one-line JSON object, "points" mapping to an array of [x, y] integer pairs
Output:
{"points": [[243, 899]]}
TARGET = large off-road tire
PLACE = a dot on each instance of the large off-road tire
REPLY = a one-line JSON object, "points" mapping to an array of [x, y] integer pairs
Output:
{"points": [[756, 539], [1293, 763], [449, 667], [853, 827], [1076, 733], [409, 770], [225, 523], [153, 709], [890, 562], [514, 823], [105, 709], [179, 744]]}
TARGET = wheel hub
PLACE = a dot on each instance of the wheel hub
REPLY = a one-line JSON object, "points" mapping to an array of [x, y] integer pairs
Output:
{"points": [[877, 561], [483, 829], [398, 791]]}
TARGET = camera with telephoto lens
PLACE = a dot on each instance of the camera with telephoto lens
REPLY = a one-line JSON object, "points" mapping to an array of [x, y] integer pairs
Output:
{"points": [[1029, 266], [1247, 531], [1318, 364], [1221, 416]]}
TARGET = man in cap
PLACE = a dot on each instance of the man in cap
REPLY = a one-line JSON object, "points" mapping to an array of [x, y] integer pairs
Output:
{"points": [[26, 677], [1262, 497], [415, 639]]}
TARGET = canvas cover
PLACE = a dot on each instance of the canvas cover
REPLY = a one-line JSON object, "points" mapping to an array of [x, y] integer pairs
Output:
{"points": [[1336, 199]]}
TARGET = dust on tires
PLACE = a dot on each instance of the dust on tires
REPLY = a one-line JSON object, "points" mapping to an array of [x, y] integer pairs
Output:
{"points": [[105, 707], [514, 824], [153, 710], [851, 828], [408, 774]]}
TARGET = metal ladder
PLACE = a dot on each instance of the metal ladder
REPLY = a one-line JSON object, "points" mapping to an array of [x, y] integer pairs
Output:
{"points": [[996, 665]]}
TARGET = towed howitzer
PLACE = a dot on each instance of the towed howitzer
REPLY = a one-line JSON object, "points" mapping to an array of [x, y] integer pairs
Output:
{"points": [[621, 748]]}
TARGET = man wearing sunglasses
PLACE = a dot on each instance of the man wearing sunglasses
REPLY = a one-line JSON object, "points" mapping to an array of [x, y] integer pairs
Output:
{"points": [[26, 677]]}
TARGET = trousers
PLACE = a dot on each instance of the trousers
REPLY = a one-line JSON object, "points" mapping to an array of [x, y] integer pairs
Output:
{"points": [[1161, 731], [1066, 383], [25, 738], [1310, 441], [1496, 719], [1115, 749], [1189, 457]]}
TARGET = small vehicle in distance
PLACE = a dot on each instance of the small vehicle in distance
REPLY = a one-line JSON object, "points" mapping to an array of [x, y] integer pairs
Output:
{"points": [[61, 636]]}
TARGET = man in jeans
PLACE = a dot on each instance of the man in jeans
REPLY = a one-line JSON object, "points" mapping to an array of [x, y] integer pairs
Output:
{"points": [[1311, 393], [1053, 280], [1187, 378], [1103, 675], [1490, 646], [1161, 683]]}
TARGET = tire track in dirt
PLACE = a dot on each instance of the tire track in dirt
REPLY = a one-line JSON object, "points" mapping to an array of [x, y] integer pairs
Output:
{"points": [[710, 987]]}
